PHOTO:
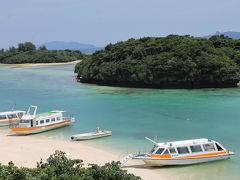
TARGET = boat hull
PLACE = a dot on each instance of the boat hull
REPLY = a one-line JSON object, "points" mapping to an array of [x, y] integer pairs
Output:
{"points": [[93, 136], [182, 161], [35, 130]]}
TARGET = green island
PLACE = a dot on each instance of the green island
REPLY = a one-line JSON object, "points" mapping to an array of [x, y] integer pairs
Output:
{"points": [[165, 62], [59, 167], [28, 53]]}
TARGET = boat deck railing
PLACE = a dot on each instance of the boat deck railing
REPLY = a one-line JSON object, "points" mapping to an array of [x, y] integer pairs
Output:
{"points": [[69, 118]]}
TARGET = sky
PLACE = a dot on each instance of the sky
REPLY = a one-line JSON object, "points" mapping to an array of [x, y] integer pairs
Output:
{"points": [[100, 22]]}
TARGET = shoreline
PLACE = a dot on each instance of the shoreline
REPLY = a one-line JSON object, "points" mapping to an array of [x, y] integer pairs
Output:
{"points": [[26, 151], [143, 85], [40, 64]]}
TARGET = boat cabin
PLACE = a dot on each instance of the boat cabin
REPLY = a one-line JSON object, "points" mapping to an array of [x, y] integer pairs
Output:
{"points": [[31, 119], [185, 152], [185, 148], [48, 118]]}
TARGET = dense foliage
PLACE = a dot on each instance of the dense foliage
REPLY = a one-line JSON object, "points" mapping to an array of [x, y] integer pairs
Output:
{"points": [[59, 167], [165, 62], [28, 53]]}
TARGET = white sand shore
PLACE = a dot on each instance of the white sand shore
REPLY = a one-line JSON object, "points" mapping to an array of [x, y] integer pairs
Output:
{"points": [[40, 64], [25, 151]]}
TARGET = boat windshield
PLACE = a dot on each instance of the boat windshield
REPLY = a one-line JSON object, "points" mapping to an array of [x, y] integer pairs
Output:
{"points": [[160, 151], [153, 149], [219, 148]]}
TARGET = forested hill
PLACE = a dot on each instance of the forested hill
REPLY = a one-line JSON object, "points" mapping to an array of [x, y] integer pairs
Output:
{"points": [[165, 62], [28, 53]]}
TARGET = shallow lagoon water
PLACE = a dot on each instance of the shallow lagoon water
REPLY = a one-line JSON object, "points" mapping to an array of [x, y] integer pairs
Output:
{"points": [[131, 114]]}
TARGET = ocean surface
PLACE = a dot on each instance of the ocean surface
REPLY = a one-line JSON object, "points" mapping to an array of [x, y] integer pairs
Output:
{"points": [[132, 114]]}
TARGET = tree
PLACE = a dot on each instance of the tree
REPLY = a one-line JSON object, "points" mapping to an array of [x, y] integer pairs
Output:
{"points": [[27, 46], [12, 49], [42, 48]]}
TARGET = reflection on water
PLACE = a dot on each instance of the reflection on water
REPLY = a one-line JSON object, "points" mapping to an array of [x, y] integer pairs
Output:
{"points": [[132, 114], [205, 171]]}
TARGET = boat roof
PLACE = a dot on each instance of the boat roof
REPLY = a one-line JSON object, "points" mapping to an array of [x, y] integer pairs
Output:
{"points": [[48, 113], [11, 112], [185, 142]]}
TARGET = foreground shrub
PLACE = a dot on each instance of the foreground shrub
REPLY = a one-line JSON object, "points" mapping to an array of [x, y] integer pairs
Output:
{"points": [[59, 167]]}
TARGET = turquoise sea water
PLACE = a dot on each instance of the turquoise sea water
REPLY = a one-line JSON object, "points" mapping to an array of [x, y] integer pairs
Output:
{"points": [[131, 114]]}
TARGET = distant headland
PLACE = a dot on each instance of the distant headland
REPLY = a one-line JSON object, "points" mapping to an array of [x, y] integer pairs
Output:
{"points": [[165, 62], [62, 45]]}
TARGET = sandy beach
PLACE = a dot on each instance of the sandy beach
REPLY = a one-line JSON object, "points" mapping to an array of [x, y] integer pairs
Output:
{"points": [[40, 64], [25, 151]]}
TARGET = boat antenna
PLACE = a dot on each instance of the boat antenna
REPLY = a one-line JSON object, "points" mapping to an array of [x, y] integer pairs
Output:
{"points": [[151, 140]]}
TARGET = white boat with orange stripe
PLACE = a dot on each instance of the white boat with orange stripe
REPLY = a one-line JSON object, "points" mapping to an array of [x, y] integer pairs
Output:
{"points": [[32, 123], [10, 117], [182, 153]]}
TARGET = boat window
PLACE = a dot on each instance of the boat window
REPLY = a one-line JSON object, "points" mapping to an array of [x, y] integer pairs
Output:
{"points": [[219, 148], [166, 151], [209, 147], [159, 151], [196, 148], [12, 116], [183, 150], [42, 121], [3, 117], [153, 149], [53, 119], [36, 122], [24, 121], [47, 120], [172, 150], [58, 118]]}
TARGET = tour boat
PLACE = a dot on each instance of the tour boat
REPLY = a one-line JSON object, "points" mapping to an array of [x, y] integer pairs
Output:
{"points": [[92, 135], [32, 123], [10, 117], [182, 153]]}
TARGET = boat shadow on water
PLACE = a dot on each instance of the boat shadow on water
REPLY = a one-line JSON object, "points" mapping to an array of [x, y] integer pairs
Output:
{"points": [[204, 171]]}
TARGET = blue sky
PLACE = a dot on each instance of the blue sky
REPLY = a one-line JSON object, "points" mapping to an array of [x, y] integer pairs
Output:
{"points": [[99, 22]]}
